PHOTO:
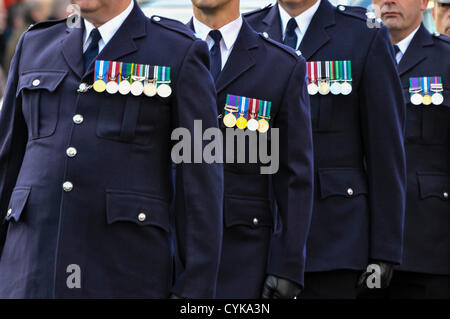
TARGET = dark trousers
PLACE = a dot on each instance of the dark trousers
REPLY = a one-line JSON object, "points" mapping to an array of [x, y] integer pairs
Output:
{"points": [[336, 284], [411, 285]]}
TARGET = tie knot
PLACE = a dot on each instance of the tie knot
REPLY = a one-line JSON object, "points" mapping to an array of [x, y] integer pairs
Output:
{"points": [[216, 36], [396, 49], [292, 25], [95, 35]]}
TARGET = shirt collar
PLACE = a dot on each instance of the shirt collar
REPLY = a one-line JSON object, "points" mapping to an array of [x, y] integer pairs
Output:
{"points": [[230, 32], [303, 20], [110, 28], [404, 44]]}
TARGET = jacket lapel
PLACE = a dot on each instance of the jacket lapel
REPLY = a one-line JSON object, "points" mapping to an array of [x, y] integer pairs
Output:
{"points": [[272, 23], [317, 36], [415, 53], [240, 60], [72, 50]]}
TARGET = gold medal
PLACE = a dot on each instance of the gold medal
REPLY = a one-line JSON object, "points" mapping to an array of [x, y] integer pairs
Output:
{"points": [[324, 88], [229, 120], [263, 126], [426, 99], [99, 86], [241, 123]]}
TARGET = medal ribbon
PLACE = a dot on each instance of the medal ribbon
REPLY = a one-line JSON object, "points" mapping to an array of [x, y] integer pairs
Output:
{"points": [[243, 106], [414, 86], [231, 104], [332, 74], [426, 84], [254, 109], [101, 69], [113, 66], [436, 84], [264, 109]]}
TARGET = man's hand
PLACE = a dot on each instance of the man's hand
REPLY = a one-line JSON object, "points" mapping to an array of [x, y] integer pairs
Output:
{"points": [[279, 288], [386, 272]]}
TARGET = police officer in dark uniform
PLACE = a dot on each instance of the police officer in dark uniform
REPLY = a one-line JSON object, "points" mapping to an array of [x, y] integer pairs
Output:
{"points": [[85, 169], [252, 72], [358, 120], [424, 68]]}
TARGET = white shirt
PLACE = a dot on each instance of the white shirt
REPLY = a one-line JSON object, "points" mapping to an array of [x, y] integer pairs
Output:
{"points": [[107, 30], [303, 21], [230, 33], [404, 44]]}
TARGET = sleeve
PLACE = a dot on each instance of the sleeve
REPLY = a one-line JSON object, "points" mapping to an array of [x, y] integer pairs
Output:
{"points": [[198, 186], [13, 140], [293, 183], [383, 124]]}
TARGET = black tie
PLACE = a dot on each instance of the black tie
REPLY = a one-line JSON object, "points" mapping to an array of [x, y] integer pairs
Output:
{"points": [[396, 49], [216, 55], [291, 37], [92, 51]]}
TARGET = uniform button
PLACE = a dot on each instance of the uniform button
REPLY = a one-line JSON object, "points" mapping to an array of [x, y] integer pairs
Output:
{"points": [[67, 186], [445, 195], [142, 217], [71, 151], [350, 192], [157, 19], [36, 82], [342, 8], [255, 221], [9, 212], [83, 87], [265, 35], [78, 119], [437, 34], [298, 52]]}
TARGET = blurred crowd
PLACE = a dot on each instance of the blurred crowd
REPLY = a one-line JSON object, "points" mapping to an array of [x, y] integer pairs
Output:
{"points": [[15, 18]]}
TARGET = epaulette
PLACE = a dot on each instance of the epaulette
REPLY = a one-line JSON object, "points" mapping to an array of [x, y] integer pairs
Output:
{"points": [[353, 11], [173, 25], [279, 45], [266, 8], [441, 37], [45, 24]]}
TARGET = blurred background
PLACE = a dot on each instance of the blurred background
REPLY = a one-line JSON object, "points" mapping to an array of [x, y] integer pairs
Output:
{"points": [[17, 15]]}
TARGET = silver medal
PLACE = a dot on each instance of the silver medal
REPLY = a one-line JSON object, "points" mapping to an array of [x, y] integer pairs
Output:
{"points": [[164, 90], [137, 88], [124, 87]]}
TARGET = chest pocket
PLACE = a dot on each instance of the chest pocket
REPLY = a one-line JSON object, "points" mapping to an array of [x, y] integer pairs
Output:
{"points": [[40, 101], [131, 119], [428, 124]]}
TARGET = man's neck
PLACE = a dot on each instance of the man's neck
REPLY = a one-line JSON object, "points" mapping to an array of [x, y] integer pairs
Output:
{"points": [[294, 10], [398, 35], [216, 19], [107, 14]]}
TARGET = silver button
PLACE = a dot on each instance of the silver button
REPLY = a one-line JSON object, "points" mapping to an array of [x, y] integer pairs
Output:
{"points": [[255, 221], [78, 119], [67, 186], [437, 34], [342, 8], [350, 192], [142, 217], [298, 52], [36, 82], [83, 87], [445, 195], [157, 19], [71, 151], [265, 35], [9, 212]]}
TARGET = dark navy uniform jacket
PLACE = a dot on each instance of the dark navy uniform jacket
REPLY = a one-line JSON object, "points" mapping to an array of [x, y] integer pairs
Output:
{"points": [[263, 69], [121, 170], [427, 223], [358, 141]]}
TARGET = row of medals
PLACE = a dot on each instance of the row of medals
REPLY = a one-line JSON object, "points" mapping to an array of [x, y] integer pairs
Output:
{"points": [[138, 88], [325, 88], [261, 125], [427, 99]]}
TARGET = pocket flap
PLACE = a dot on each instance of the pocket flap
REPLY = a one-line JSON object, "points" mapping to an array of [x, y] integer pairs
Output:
{"points": [[348, 182], [434, 185], [248, 212], [40, 80], [138, 208], [17, 203]]}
